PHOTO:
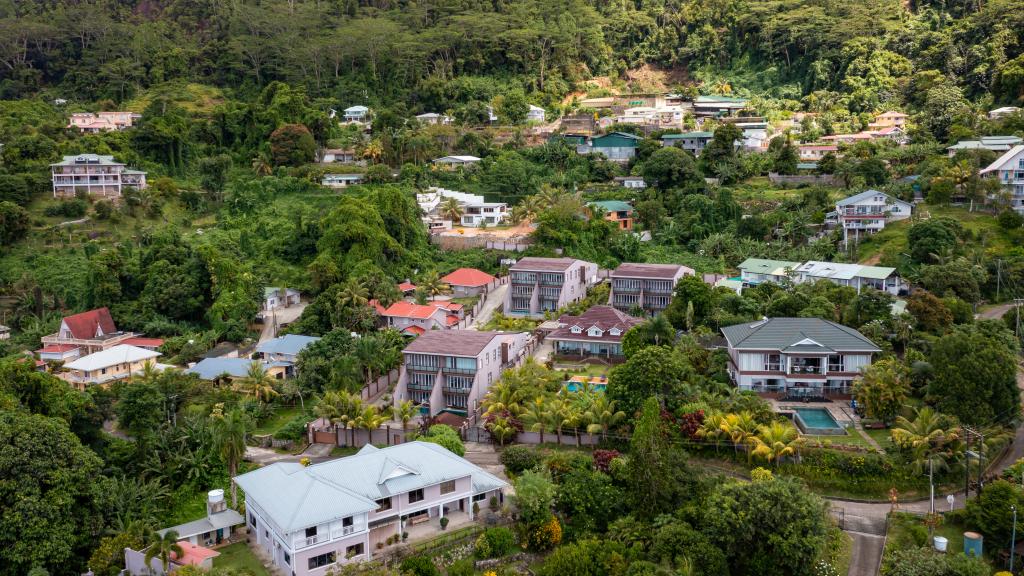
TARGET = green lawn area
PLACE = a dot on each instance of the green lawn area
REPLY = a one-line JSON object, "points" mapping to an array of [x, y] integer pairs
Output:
{"points": [[892, 241], [852, 438], [584, 369], [881, 436], [239, 557], [279, 418]]}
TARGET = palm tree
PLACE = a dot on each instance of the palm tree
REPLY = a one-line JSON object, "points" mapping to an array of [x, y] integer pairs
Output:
{"points": [[367, 351], [558, 411], [775, 441], [659, 329], [927, 439], [229, 434], [603, 415], [353, 294], [537, 417], [740, 428], [404, 412], [450, 209], [162, 548], [432, 284], [369, 419], [502, 429], [712, 428], [257, 383], [262, 166], [503, 397]]}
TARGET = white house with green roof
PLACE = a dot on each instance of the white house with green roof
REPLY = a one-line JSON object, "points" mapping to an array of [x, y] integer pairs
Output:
{"points": [[784, 354], [853, 275], [308, 519], [754, 271]]}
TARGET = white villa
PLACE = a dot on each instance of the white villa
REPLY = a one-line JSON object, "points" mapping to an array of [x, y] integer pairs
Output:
{"points": [[1009, 170], [807, 354], [308, 519], [868, 212], [95, 175], [476, 211]]}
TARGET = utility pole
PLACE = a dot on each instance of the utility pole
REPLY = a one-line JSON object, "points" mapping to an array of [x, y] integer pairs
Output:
{"points": [[967, 464], [999, 276], [931, 485]]}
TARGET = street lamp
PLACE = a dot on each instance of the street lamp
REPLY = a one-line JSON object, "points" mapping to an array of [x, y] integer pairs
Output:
{"points": [[1013, 538]]}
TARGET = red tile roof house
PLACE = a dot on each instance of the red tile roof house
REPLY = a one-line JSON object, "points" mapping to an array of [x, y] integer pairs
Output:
{"points": [[468, 281], [418, 318], [648, 286], [451, 370], [86, 333], [547, 284], [595, 333]]}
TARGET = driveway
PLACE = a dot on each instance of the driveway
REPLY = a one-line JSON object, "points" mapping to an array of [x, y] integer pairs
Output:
{"points": [[278, 317], [265, 456], [994, 312], [495, 298]]}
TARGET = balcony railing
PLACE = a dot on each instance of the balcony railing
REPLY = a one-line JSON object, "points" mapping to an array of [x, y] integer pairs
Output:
{"points": [[456, 389], [421, 387], [454, 370], [798, 370], [626, 288], [300, 543], [421, 367]]}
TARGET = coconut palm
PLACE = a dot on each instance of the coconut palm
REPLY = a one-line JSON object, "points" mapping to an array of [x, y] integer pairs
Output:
{"points": [[502, 429], [927, 439], [432, 284], [712, 428], [450, 209], [229, 433], [353, 294], [404, 412], [367, 351], [739, 428], [163, 547], [257, 383], [558, 411], [603, 415], [659, 330], [775, 441], [503, 397], [537, 417], [369, 419]]}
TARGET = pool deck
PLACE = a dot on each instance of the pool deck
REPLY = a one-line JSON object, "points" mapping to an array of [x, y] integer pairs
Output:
{"points": [[839, 409]]}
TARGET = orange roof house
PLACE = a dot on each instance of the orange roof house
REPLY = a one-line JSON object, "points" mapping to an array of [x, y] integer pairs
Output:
{"points": [[468, 281]]}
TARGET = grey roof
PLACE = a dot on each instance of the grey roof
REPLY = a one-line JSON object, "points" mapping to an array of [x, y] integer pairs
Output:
{"points": [[539, 264], [289, 344], [453, 342], [297, 497], [93, 159], [642, 270], [797, 334], [762, 266], [210, 368], [224, 519], [864, 196], [275, 291]]}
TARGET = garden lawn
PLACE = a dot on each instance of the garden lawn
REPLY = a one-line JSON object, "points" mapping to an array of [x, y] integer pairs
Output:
{"points": [[886, 246], [882, 437], [585, 370], [241, 558], [900, 525], [279, 418], [852, 438]]}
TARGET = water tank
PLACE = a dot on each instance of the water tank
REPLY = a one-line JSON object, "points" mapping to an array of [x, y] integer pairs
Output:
{"points": [[940, 543], [214, 496], [973, 544]]}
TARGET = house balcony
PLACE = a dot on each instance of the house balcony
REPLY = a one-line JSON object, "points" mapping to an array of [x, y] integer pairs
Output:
{"points": [[455, 389], [421, 368], [453, 370], [419, 387], [101, 343], [625, 289]]}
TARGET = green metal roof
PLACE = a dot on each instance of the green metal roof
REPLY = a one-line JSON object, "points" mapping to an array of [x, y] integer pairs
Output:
{"points": [[760, 266], [875, 272], [688, 135], [800, 334], [612, 205]]}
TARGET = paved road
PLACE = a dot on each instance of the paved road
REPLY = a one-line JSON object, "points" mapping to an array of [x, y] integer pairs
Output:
{"points": [[495, 298], [866, 554], [264, 456], [278, 317], [993, 312]]}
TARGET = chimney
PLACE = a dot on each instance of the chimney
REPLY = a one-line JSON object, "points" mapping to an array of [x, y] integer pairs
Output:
{"points": [[215, 502]]}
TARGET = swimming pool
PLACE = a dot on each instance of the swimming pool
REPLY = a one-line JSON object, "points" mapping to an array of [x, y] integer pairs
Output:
{"points": [[817, 421], [576, 386]]}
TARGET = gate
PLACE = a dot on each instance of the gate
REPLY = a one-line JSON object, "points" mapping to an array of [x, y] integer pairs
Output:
{"points": [[857, 523]]}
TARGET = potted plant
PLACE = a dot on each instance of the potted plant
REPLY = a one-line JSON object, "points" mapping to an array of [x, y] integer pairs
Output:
{"points": [[444, 522], [405, 536], [476, 509]]}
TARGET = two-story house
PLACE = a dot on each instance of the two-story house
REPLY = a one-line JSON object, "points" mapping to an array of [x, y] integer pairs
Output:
{"points": [[539, 285], [451, 370], [615, 146], [782, 354], [86, 333], [617, 211], [647, 286], [754, 271], [595, 333], [95, 175], [536, 114], [868, 212], [357, 114], [94, 122], [1008, 169], [309, 519], [692, 142]]}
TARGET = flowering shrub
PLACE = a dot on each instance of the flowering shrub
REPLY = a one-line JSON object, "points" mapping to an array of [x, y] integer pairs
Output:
{"points": [[547, 535], [761, 475], [823, 568], [518, 459], [603, 459]]}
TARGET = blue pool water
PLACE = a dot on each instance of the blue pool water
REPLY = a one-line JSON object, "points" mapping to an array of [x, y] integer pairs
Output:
{"points": [[818, 418], [575, 387]]}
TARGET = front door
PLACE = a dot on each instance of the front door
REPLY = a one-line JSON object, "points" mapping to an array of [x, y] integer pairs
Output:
{"points": [[220, 535]]}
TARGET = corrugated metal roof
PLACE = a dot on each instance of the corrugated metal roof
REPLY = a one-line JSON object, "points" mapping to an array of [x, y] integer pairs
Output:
{"points": [[781, 333], [290, 344]]}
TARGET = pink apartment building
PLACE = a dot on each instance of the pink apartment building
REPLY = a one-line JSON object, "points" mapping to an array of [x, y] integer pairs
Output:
{"points": [[541, 285], [451, 370]]}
